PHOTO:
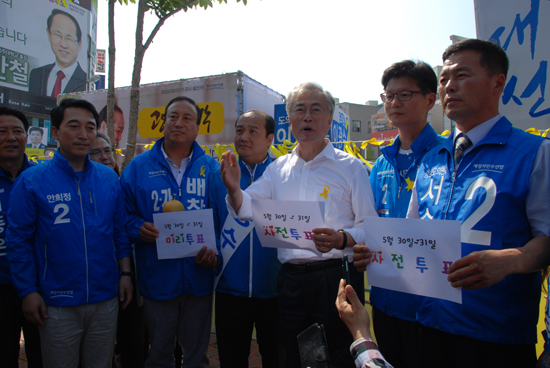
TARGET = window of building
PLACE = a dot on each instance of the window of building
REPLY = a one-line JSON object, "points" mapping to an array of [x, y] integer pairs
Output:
{"points": [[356, 126]]}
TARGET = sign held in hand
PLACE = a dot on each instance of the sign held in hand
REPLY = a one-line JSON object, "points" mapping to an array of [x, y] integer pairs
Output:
{"points": [[287, 224], [413, 256], [183, 234]]}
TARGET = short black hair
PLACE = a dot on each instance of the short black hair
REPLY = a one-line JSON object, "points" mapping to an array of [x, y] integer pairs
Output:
{"points": [[61, 12], [269, 121], [17, 114], [36, 129], [184, 98], [58, 113], [103, 113], [492, 57], [419, 71]]}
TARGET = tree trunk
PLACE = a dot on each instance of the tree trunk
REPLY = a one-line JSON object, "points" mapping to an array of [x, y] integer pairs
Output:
{"points": [[134, 94], [111, 75]]}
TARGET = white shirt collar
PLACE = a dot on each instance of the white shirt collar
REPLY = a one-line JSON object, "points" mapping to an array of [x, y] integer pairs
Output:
{"points": [[68, 71], [171, 162], [328, 152]]}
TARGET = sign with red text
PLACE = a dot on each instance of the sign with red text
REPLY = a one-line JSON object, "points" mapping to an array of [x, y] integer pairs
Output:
{"points": [[413, 256], [183, 234], [287, 224]]}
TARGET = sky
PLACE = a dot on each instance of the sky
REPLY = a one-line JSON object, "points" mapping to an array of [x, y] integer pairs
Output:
{"points": [[342, 45]]}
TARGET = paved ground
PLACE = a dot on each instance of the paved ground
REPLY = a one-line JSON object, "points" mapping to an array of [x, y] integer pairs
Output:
{"points": [[254, 361]]}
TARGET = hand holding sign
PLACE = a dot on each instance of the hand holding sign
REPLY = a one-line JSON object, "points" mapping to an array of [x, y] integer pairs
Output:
{"points": [[361, 256], [186, 234], [326, 239], [411, 256]]}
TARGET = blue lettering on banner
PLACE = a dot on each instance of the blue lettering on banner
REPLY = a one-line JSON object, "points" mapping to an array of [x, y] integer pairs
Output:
{"points": [[538, 81]]}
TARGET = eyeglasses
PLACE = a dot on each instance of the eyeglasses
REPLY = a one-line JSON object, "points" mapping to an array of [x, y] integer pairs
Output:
{"points": [[301, 112], [401, 96], [57, 37], [97, 152]]}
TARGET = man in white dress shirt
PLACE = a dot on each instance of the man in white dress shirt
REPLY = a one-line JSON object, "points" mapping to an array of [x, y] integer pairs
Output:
{"points": [[314, 171]]}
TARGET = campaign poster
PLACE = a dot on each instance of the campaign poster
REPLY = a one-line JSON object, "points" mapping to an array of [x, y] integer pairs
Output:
{"points": [[221, 99], [40, 38], [521, 27], [37, 137]]}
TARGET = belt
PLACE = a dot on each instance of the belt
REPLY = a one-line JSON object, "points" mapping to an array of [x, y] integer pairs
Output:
{"points": [[312, 266]]}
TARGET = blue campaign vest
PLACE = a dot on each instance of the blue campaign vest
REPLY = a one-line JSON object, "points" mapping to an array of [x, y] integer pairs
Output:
{"points": [[5, 190], [148, 183], [392, 195], [488, 196], [252, 270]]}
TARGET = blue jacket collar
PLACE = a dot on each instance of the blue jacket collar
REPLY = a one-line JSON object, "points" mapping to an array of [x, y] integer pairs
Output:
{"points": [[60, 160], [499, 134], [426, 140], [26, 165], [157, 151], [258, 171]]}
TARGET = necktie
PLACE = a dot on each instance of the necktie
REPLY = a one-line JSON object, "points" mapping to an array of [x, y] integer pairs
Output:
{"points": [[57, 86], [461, 144]]}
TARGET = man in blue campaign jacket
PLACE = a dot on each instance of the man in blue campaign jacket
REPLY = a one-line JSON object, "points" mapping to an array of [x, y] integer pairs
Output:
{"points": [[494, 179], [177, 292], [64, 237], [246, 293], [13, 161], [410, 93]]}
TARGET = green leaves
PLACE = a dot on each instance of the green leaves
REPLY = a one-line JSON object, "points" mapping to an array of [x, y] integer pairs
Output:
{"points": [[165, 8]]}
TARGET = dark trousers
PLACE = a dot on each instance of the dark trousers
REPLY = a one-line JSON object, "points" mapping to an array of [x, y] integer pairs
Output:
{"points": [[11, 322], [131, 337], [307, 296], [442, 349], [132, 341], [235, 320], [397, 339]]}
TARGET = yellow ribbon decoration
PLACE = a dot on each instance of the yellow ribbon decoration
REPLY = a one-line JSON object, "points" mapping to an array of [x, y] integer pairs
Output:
{"points": [[203, 169], [276, 152], [221, 148], [33, 159], [326, 190], [446, 133], [533, 131], [117, 152], [50, 154], [207, 150], [150, 146]]}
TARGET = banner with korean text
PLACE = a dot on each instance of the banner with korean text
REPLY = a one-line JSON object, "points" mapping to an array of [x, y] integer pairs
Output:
{"points": [[521, 27], [31, 46]]}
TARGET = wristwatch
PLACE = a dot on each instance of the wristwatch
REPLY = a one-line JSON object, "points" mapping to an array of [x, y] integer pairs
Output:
{"points": [[345, 239]]}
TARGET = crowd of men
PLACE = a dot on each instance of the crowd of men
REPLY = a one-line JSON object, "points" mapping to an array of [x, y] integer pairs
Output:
{"points": [[68, 226]]}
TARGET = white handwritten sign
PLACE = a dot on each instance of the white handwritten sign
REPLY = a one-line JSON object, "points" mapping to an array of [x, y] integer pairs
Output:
{"points": [[413, 256], [183, 234], [287, 224]]}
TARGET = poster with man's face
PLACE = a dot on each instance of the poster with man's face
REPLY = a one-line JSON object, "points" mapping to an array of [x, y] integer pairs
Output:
{"points": [[37, 138], [43, 45]]}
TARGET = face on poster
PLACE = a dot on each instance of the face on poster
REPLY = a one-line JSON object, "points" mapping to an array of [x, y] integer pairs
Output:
{"points": [[37, 137], [39, 38]]}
